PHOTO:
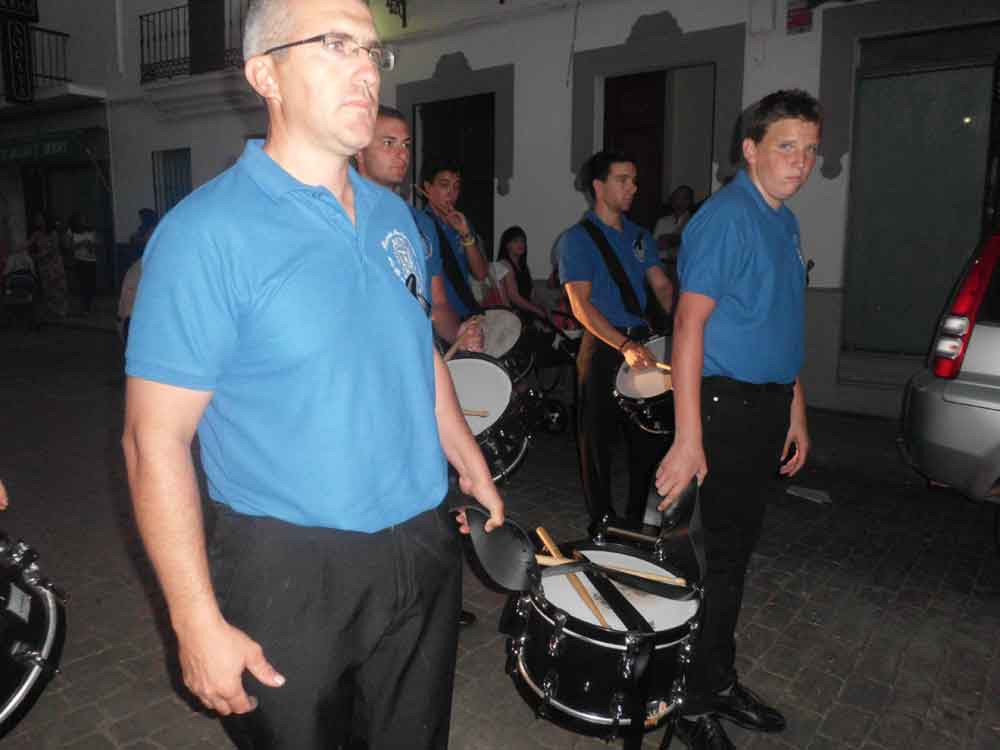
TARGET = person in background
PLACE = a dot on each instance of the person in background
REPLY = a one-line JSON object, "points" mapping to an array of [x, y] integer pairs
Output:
{"points": [[44, 248], [84, 241], [612, 316], [513, 276], [130, 282], [386, 161], [738, 348], [667, 231], [454, 239]]}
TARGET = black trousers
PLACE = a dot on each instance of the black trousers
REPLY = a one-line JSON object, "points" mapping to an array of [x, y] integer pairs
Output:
{"points": [[599, 418], [341, 614], [744, 429]]}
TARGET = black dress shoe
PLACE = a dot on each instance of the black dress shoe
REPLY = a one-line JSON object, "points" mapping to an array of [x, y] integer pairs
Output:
{"points": [[746, 709], [466, 618], [703, 733]]}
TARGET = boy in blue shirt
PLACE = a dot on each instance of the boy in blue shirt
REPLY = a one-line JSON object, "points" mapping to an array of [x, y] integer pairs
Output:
{"points": [[740, 408], [614, 329]]}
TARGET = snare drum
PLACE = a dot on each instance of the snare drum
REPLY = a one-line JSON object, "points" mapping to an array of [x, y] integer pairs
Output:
{"points": [[646, 395], [504, 341], [482, 384], [580, 674], [32, 630]]}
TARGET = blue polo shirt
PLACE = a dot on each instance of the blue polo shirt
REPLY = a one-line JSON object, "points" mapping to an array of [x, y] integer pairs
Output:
{"points": [[432, 253], [746, 256], [259, 289], [455, 240], [580, 260]]}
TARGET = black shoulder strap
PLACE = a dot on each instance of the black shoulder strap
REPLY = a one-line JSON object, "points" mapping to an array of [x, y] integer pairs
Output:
{"points": [[451, 269], [629, 298]]}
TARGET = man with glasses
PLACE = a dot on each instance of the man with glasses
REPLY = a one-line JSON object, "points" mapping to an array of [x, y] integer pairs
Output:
{"points": [[284, 332], [386, 160]]}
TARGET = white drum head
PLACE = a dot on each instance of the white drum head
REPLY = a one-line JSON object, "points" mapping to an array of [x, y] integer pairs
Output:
{"points": [[662, 614], [502, 330], [481, 385], [645, 383]]}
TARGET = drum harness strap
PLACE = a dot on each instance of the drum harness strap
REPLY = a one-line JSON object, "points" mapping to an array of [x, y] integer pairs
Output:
{"points": [[637, 661], [615, 269], [455, 276]]}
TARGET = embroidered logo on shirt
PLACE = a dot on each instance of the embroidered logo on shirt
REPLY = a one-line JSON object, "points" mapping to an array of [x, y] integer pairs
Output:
{"points": [[402, 257], [639, 250]]}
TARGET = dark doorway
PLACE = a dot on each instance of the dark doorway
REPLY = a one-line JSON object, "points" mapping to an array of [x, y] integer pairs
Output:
{"points": [[665, 120], [633, 123], [462, 131]]}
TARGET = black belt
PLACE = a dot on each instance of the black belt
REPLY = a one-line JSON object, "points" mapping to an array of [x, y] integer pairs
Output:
{"points": [[721, 383]]}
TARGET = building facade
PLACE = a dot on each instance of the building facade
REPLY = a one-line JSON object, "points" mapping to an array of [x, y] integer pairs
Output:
{"points": [[524, 90]]}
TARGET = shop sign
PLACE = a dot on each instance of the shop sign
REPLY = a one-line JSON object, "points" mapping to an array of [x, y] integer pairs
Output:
{"points": [[36, 151]]}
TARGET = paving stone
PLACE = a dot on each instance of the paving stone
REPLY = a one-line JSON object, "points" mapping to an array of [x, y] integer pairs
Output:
{"points": [[846, 724], [783, 661], [865, 693], [816, 689], [897, 731]]}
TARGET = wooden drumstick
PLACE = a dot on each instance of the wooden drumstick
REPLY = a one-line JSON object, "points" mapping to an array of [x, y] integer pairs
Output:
{"points": [[575, 582], [662, 366], [547, 561], [475, 412]]}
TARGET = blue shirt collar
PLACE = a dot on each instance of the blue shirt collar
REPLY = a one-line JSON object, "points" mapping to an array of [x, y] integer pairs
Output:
{"points": [[277, 183], [743, 180], [592, 215]]}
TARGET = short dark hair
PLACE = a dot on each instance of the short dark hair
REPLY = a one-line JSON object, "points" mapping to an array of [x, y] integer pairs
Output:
{"points": [[794, 104], [391, 113], [433, 167], [598, 167]]}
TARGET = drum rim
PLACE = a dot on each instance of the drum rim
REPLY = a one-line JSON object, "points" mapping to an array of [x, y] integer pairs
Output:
{"points": [[513, 393], [599, 635], [641, 399], [55, 626]]}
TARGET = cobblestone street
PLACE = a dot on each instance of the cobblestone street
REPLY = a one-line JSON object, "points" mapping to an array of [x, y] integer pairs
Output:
{"points": [[872, 622]]}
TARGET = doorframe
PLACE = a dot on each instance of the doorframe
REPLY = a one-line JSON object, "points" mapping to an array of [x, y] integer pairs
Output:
{"points": [[454, 79]]}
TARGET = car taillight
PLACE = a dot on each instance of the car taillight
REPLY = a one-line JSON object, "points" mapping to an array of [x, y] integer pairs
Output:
{"points": [[957, 324]]}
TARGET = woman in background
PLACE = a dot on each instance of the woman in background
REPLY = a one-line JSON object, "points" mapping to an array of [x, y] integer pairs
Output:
{"points": [[513, 276]]}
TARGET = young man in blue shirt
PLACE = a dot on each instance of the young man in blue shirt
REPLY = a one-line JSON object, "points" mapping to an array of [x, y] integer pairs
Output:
{"points": [[740, 409], [613, 333], [386, 161], [274, 319], [461, 258]]}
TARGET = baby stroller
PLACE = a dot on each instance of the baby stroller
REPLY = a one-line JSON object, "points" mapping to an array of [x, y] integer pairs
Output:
{"points": [[21, 294]]}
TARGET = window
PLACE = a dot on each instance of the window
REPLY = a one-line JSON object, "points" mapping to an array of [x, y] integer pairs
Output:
{"points": [[171, 177]]}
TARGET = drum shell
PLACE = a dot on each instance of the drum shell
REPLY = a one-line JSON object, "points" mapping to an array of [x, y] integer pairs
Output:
{"points": [[585, 670], [654, 414], [505, 441]]}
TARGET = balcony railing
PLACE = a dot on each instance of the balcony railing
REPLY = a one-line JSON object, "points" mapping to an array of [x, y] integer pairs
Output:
{"points": [[165, 41], [48, 57]]}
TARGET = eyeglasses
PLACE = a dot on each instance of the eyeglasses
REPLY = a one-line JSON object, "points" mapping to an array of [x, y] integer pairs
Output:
{"points": [[345, 47]]}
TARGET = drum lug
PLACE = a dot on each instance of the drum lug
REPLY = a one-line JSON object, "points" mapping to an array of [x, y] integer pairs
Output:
{"points": [[523, 606], [659, 550], [617, 709], [555, 645], [629, 656], [515, 647], [32, 575], [23, 654], [550, 686], [22, 554]]}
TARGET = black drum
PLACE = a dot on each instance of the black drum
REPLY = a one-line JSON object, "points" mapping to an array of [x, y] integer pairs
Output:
{"points": [[582, 675], [32, 630], [493, 411], [647, 396]]}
